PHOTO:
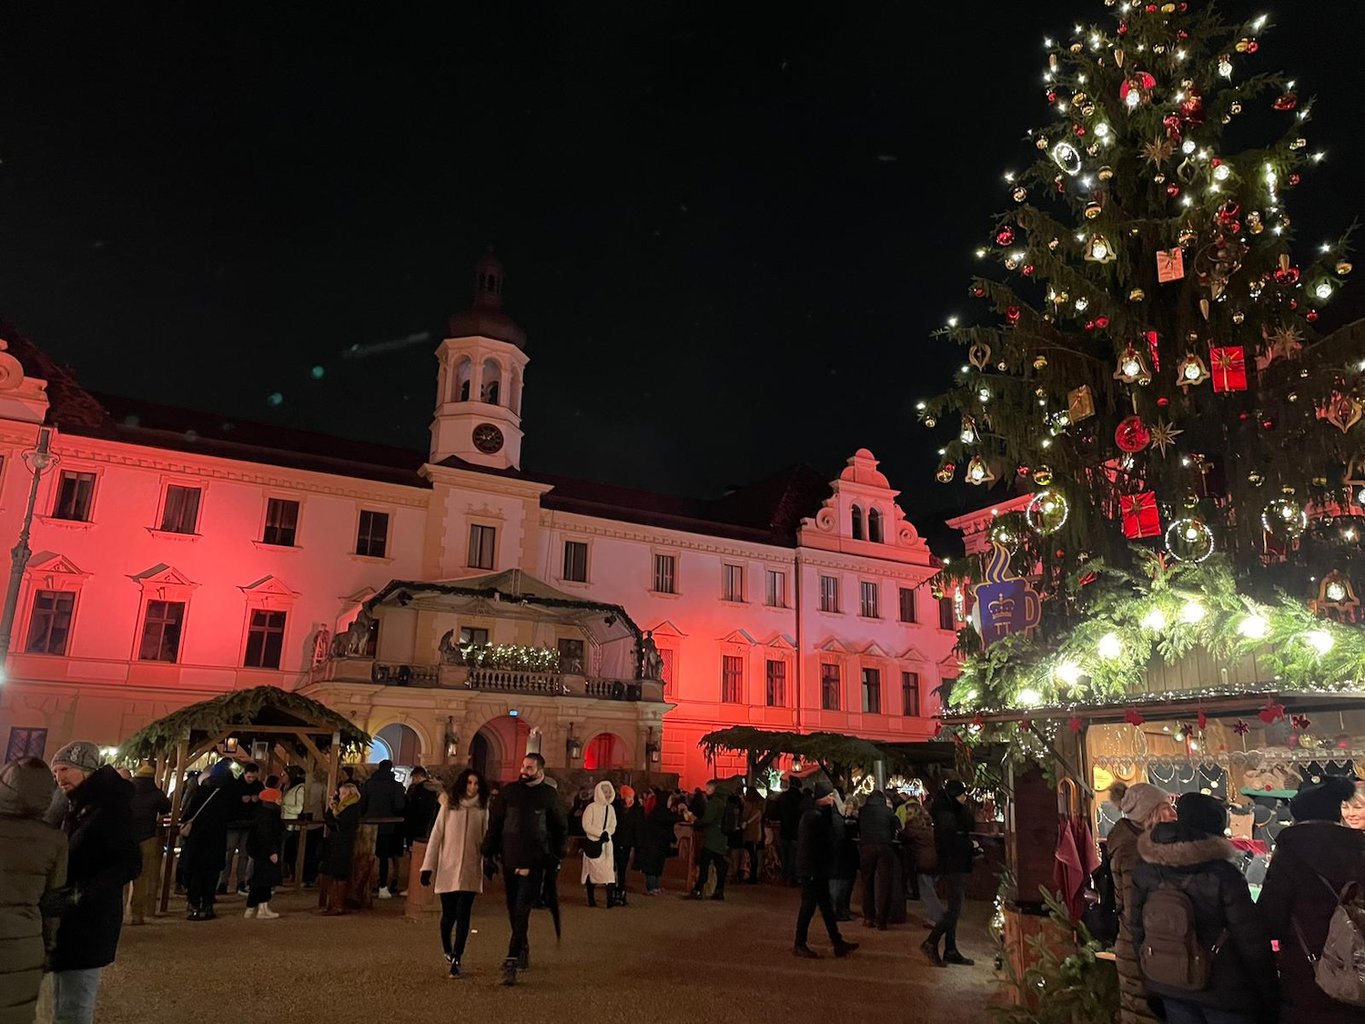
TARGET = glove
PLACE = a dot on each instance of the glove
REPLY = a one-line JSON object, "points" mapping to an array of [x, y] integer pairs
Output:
{"points": [[490, 867], [426, 879]]}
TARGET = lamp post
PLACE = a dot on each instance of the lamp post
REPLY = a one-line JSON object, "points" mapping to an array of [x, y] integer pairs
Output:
{"points": [[39, 460]]}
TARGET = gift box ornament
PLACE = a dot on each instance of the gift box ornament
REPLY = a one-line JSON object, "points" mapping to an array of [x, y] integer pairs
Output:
{"points": [[1080, 403], [1170, 265], [1139, 515], [1229, 367]]}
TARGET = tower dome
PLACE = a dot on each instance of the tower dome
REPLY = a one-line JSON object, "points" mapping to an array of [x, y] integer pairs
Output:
{"points": [[485, 318]]}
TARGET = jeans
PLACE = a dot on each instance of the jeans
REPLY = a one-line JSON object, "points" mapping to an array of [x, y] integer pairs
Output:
{"points": [[704, 872], [522, 891], [456, 908], [755, 852], [236, 842], [933, 906], [840, 893], [815, 893], [1180, 1011], [653, 882], [878, 868], [73, 995], [954, 893]]}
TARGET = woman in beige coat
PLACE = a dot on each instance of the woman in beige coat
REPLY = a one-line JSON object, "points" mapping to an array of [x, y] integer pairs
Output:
{"points": [[1144, 806], [453, 860]]}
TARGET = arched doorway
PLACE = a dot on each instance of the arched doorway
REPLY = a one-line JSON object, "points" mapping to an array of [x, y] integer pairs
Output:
{"points": [[398, 743], [605, 751], [501, 742], [481, 756]]}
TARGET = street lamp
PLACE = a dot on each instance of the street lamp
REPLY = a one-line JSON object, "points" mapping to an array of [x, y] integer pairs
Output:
{"points": [[39, 460]]}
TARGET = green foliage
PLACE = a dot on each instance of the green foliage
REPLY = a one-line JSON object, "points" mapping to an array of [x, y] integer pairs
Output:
{"points": [[1071, 988], [512, 656]]}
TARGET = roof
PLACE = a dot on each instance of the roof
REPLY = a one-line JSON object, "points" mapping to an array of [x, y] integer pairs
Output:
{"points": [[1171, 704]]}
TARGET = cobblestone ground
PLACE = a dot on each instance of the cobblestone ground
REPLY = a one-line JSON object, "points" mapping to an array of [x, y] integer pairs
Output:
{"points": [[660, 959]]}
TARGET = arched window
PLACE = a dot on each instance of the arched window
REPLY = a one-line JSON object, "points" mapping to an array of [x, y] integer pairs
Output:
{"points": [[857, 523], [492, 382], [464, 371], [874, 526]]}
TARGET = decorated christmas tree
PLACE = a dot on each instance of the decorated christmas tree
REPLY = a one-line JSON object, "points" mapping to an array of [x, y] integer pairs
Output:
{"points": [[1147, 359]]}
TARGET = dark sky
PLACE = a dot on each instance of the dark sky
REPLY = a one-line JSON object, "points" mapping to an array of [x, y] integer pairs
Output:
{"points": [[728, 227]]}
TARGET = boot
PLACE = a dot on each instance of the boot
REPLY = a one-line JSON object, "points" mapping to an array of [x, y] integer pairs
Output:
{"points": [[324, 891], [621, 896], [264, 913], [952, 956], [592, 893], [804, 952], [454, 967], [524, 959], [336, 905], [194, 913], [509, 971], [930, 949], [843, 949], [250, 912]]}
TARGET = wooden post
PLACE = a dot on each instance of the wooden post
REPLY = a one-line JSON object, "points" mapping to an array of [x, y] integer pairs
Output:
{"points": [[333, 764], [173, 830]]}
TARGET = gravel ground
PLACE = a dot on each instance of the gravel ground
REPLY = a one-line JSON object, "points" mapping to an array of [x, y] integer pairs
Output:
{"points": [[661, 959]]}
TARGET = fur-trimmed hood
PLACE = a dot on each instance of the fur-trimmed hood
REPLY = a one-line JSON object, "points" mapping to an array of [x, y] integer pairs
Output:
{"points": [[1171, 845]]}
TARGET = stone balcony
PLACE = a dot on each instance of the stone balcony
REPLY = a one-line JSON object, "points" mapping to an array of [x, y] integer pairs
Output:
{"points": [[485, 680]]}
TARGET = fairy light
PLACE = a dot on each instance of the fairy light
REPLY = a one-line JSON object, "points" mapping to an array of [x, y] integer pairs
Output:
{"points": [[1110, 647], [1254, 627], [952, 321], [1069, 673], [1259, 23], [1323, 290], [1192, 612], [1320, 640], [1029, 698], [1154, 621]]}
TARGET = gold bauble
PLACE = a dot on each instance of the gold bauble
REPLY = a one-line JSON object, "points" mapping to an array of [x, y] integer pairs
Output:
{"points": [[1002, 366], [1343, 268], [1040, 362], [1042, 476], [929, 421], [1093, 210], [1136, 295], [1053, 243], [1159, 178], [1105, 173], [1041, 142], [1238, 316], [1088, 109], [1020, 194], [1078, 99]]}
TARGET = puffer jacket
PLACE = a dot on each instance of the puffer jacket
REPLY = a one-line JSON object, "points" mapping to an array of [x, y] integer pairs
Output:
{"points": [[1123, 859], [953, 824], [599, 822], [1243, 977], [877, 822], [33, 855]]}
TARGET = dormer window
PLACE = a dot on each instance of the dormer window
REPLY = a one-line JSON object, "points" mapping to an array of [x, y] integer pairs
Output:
{"points": [[874, 526], [857, 523]]}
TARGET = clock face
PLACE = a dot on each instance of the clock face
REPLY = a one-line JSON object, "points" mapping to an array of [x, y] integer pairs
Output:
{"points": [[487, 438]]}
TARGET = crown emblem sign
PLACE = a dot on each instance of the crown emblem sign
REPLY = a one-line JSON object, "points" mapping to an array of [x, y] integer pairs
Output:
{"points": [[1002, 608]]}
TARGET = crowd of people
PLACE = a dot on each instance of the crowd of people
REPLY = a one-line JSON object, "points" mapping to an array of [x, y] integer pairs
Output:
{"points": [[1194, 948]]}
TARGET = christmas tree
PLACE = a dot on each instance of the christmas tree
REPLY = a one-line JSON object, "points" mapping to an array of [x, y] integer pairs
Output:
{"points": [[1152, 369]]}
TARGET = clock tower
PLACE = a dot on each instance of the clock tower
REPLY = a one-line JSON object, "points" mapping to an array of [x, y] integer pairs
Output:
{"points": [[478, 391]]}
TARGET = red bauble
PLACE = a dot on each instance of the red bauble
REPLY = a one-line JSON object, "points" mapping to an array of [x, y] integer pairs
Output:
{"points": [[1012, 314], [1173, 190], [1132, 434], [1286, 102], [979, 292], [1163, 401], [1101, 322], [1027, 269], [1294, 179], [1123, 28], [1287, 276], [1268, 423], [1311, 316], [1244, 415], [1005, 236]]}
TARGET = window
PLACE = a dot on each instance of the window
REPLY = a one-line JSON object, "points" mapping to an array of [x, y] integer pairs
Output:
{"points": [[25, 743], [830, 685], [775, 684], [482, 540], [868, 605], [945, 613], [282, 522], [857, 523], [372, 537], [666, 655], [50, 624], [161, 631], [265, 639], [75, 494], [180, 512], [731, 679], [777, 589], [829, 593], [733, 583], [908, 605], [910, 694], [665, 574], [571, 656], [874, 526], [575, 561], [872, 691], [473, 636]]}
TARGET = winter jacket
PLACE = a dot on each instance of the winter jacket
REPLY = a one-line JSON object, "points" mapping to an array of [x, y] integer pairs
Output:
{"points": [[419, 810], [790, 807], [526, 827], [1294, 893], [102, 857], [846, 858], [1200, 864], [266, 837], [657, 841], [753, 817], [242, 811], [599, 818], [454, 847], [343, 825], [815, 843], [630, 826], [149, 803], [1123, 859], [918, 836], [33, 855], [877, 821], [382, 797], [304, 798], [953, 824], [711, 824], [208, 807]]}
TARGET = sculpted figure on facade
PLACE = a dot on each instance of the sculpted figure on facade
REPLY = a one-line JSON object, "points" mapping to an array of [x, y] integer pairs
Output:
{"points": [[353, 643]]}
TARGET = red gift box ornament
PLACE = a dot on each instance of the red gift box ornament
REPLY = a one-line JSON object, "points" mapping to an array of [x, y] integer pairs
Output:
{"points": [[1170, 265], [1229, 366], [1140, 516], [1075, 724], [1302, 722], [1133, 716], [1203, 720]]}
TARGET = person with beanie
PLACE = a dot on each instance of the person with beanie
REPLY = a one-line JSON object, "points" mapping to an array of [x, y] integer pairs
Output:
{"points": [[953, 824], [454, 859], [816, 843], [630, 831], [877, 830], [1314, 859], [1143, 807], [263, 846], [1192, 856], [102, 857], [34, 859], [149, 803]]}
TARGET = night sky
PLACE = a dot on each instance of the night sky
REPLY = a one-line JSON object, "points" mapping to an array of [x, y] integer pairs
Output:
{"points": [[728, 227]]}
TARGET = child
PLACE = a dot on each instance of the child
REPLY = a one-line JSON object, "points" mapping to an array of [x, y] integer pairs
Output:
{"points": [[264, 845]]}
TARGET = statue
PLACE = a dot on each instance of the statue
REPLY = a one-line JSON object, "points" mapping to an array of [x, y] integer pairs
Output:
{"points": [[322, 642], [651, 662], [355, 641], [449, 650]]}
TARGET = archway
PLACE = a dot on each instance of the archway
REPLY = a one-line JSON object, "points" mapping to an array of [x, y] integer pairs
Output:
{"points": [[464, 373], [398, 743], [502, 742], [491, 389], [483, 757], [605, 751]]}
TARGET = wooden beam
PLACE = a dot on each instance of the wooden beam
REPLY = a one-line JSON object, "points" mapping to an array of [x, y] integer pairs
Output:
{"points": [[334, 764], [311, 747], [182, 762]]}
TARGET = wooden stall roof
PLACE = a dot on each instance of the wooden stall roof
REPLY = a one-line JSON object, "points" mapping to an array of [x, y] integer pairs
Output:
{"points": [[1175, 704]]}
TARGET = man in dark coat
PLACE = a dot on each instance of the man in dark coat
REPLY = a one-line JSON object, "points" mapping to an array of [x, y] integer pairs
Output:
{"points": [[203, 852], [953, 824], [789, 807], [382, 797], [102, 858], [240, 794], [419, 806], [1191, 854], [527, 832], [149, 803], [715, 845], [1314, 859], [877, 829], [815, 852]]}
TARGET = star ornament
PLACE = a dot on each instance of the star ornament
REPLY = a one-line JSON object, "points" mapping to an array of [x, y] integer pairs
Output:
{"points": [[1164, 435], [1241, 728], [1158, 151]]}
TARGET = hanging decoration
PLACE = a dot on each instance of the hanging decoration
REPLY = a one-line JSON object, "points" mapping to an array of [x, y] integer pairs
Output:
{"points": [[979, 355], [1137, 90], [1006, 532], [1163, 436], [945, 473], [1284, 518], [1191, 372], [1336, 597], [978, 472], [1139, 515], [1132, 434], [1047, 512], [1341, 411], [1005, 604], [1189, 540], [968, 433], [1099, 250], [1132, 367], [1170, 265], [1065, 156], [1080, 403], [1229, 368]]}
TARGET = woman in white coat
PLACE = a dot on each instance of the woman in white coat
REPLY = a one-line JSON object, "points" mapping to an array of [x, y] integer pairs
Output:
{"points": [[599, 823], [454, 860]]}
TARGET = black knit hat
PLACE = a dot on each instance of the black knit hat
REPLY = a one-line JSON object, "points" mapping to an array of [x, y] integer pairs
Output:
{"points": [[1202, 813], [1322, 801]]}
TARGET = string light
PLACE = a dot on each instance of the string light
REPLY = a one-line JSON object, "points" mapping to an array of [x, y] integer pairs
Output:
{"points": [[1192, 612], [1254, 627], [1154, 620], [1320, 640], [1069, 673], [1110, 646]]}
